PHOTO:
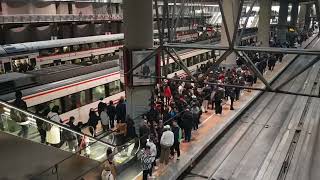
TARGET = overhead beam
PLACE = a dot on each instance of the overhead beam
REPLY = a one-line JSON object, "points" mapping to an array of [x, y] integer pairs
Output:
{"points": [[314, 61], [178, 60], [251, 65], [224, 21]]}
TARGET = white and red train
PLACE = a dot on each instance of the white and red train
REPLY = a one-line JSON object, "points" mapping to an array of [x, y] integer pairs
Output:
{"points": [[75, 96]]}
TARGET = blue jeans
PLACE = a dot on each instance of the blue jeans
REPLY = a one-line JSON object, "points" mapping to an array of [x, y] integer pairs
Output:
{"points": [[187, 134]]}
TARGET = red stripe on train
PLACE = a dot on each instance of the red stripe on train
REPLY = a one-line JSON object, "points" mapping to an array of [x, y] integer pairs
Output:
{"points": [[68, 86]]}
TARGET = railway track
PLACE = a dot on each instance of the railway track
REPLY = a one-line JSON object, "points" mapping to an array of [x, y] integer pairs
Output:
{"points": [[276, 138]]}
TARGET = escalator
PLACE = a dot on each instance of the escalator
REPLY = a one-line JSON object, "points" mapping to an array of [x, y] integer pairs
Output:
{"points": [[94, 147]]}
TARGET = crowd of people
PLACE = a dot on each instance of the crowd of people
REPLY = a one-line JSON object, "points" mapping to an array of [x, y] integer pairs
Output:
{"points": [[176, 107]]}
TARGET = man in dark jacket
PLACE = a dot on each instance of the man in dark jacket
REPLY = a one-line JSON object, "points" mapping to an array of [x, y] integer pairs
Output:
{"points": [[153, 114], [18, 116], [187, 122], [218, 100], [101, 106], [144, 132], [121, 110], [111, 111]]}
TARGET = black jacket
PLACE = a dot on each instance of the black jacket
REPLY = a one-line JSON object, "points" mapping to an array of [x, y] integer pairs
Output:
{"points": [[187, 120], [111, 111], [121, 111]]}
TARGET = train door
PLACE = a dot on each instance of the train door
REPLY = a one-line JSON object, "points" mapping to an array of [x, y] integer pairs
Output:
{"points": [[7, 67]]}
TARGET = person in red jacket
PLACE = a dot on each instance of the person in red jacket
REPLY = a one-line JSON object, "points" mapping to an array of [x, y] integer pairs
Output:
{"points": [[167, 94]]}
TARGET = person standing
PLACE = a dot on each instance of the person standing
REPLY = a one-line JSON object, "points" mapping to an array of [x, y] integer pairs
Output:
{"points": [[121, 110], [93, 121], [105, 121], [111, 111], [52, 131], [18, 116], [167, 140], [144, 132], [101, 106], [146, 162], [153, 151], [187, 124], [177, 139], [71, 137], [218, 100], [195, 110]]}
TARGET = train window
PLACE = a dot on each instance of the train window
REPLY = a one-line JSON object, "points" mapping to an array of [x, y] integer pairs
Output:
{"points": [[114, 87], [201, 58], [189, 62], [205, 56], [70, 102], [109, 44], [66, 49], [208, 55], [85, 97], [94, 45], [76, 47], [98, 92], [102, 45], [56, 102]]}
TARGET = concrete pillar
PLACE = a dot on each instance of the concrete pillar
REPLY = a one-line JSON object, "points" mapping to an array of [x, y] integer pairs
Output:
{"points": [[264, 22], [294, 12], [302, 16], [230, 8], [138, 32], [283, 22]]}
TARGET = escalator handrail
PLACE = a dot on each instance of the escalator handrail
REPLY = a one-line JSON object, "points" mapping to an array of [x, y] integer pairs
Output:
{"points": [[5, 104]]}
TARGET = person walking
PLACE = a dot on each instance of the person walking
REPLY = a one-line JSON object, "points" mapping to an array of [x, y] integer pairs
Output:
{"points": [[167, 140]]}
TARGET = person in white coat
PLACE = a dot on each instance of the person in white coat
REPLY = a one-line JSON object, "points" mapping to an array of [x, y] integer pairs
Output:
{"points": [[53, 132], [153, 151], [167, 140], [105, 120]]}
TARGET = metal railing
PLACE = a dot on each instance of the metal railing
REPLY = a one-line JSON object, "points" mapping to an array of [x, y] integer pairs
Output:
{"points": [[33, 18]]}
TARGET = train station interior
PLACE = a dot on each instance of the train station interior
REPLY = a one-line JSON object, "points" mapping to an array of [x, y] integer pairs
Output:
{"points": [[159, 89]]}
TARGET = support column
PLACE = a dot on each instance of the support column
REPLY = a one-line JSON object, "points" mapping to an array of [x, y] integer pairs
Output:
{"points": [[264, 22], [302, 16], [230, 8], [283, 22], [294, 12], [138, 33]]}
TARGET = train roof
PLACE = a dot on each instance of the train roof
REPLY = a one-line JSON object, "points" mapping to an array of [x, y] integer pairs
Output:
{"points": [[38, 45], [33, 46]]}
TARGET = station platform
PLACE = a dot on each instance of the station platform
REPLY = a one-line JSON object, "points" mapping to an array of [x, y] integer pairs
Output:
{"points": [[212, 126]]}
